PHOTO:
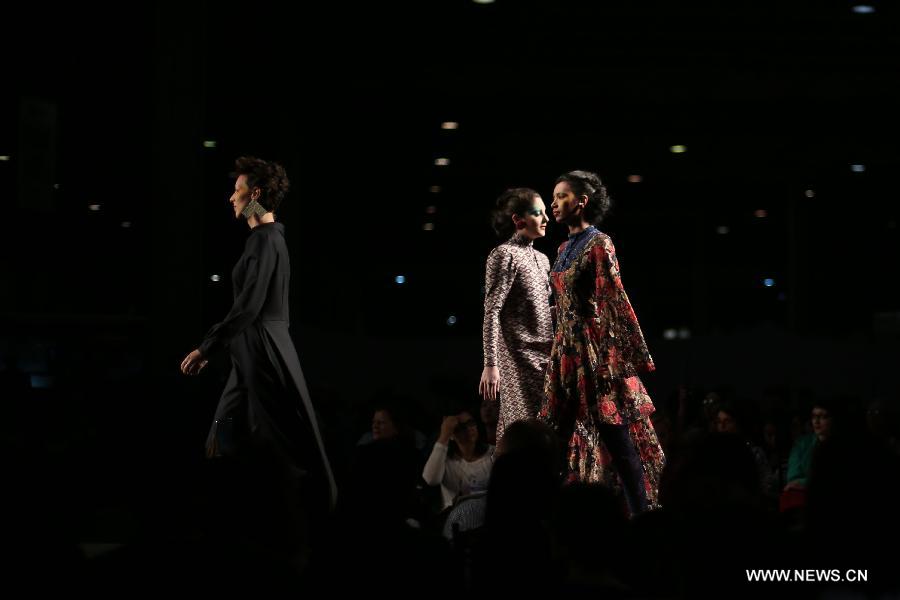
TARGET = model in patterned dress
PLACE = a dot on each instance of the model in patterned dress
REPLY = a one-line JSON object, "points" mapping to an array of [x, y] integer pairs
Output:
{"points": [[593, 395], [518, 329]]}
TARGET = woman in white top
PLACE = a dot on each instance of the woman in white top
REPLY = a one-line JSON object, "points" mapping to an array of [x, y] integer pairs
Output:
{"points": [[460, 461]]}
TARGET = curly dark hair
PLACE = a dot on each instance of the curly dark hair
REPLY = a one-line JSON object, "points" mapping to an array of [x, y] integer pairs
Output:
{"points": [[514, 201], [585, 183], [269, 177]]}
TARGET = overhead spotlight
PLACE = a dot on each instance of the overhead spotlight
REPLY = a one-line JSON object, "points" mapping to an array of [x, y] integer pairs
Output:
{"points": [[684, 333], [441, 162], [399, 279], [4, 157], [449, 125], [760, 214], [670, 334], [215, 278], [858, 168], [430, 210], [435, 189], [126, 224], [809, 193], [864, 9], [428, 226], [483, 1], [722, 230], [768, 282], [94, 207], [451, 320], [209, 143], [635, 179], [679, 149]]}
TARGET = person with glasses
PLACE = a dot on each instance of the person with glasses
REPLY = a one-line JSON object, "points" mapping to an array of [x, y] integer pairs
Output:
{"points": [[461, 460]]}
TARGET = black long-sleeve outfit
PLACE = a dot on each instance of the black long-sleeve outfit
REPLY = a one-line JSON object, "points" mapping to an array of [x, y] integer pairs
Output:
{"points": [[266, 401]]}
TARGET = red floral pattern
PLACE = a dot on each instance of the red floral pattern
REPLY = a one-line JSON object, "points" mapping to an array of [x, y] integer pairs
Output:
{"points": [[592, 378]]}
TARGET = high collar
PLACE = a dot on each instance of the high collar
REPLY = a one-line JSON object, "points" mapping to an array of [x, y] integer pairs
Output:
{"points": [[520, 240]]}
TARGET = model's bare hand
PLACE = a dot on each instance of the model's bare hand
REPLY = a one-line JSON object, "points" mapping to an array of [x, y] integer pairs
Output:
{"points": [[490, 383], [193, 363]]}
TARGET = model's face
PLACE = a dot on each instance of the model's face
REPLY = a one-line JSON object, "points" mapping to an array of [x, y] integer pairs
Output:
{"points": [[241, 196], [566, 206], [533, 224], [383, 426]]}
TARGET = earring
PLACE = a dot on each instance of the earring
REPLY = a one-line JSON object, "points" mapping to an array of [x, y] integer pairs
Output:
{"points": [[253, 208]]}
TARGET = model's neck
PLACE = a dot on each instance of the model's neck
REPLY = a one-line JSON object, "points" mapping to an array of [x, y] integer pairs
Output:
{"points": [[575, 228], [253, 221]]}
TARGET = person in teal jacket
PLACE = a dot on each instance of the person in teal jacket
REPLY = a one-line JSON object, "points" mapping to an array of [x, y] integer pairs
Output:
{"points": [[802, 452]]}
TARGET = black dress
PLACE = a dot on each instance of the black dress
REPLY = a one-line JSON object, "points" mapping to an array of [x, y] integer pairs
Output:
{"points": [[265, 408]]}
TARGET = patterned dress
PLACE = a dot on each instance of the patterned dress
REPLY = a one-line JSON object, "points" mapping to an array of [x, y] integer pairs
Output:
{"points": [[518, 329], [592, 386]]}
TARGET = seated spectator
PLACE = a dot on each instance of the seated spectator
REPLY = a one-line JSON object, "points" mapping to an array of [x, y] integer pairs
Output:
{"points": [[730, 420], [388, 422], [461, 459], [801, 456]]}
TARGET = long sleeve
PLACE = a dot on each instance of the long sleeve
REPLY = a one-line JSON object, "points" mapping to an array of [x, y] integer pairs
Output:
{"points": [[620, 321], [500, 272], [434, 470], [259, 264]]}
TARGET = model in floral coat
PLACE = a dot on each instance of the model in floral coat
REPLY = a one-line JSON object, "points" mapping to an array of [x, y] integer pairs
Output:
{"points": [[594, 397]]}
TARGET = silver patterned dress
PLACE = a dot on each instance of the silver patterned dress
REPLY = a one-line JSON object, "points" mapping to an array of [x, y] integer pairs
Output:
{"points": [[518, 329]]}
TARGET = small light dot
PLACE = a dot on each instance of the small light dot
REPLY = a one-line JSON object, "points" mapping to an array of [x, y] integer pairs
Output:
{"points": [[215, 278], [94, 207], [4, 157], [760, 214], [441, 162], [400, 279], [768, 282], [670, 334], [684, 333], [857, 168], [431, 209], [722, 230], [451, 320], [678, 149], [449, 125], [428, 226], [435, 189], [483, 1], [809, 193], [55, 186], [635, 179], [209, 144], [864, 9], [126, 224]]}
